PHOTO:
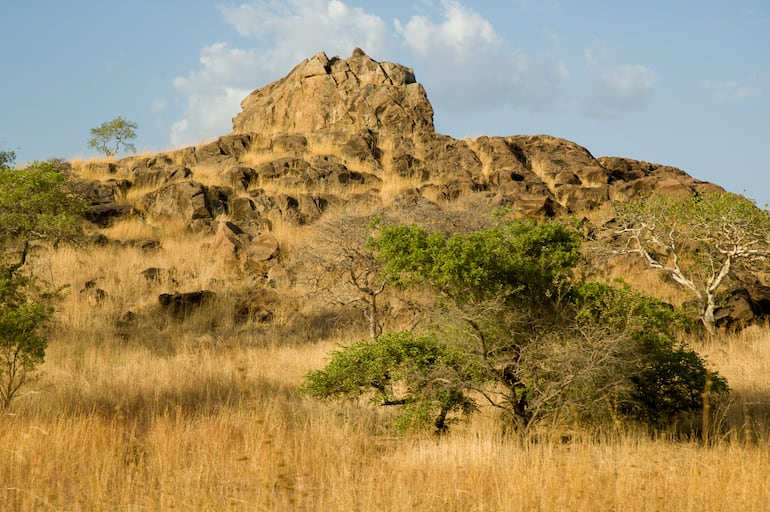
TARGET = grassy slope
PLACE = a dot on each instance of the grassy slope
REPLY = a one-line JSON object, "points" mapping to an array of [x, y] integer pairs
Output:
{"points": [[189, 417]]}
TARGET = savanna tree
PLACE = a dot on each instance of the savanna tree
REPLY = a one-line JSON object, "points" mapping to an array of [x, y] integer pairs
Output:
{"points": [[35, 206], [344, 269], [7, 159], [696, 240], [110, 136]]}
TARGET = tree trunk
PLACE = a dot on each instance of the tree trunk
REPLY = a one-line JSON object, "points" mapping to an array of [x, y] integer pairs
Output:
{"points": [[440, 422], [708, 316], [373, 325]]}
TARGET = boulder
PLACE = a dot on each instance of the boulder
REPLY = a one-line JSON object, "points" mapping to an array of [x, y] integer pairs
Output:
{"points": [[262, 247], [181, 305], [103, 215], [185, 199], [256, 305], [153, 177], [743, 306], [229, 241]]}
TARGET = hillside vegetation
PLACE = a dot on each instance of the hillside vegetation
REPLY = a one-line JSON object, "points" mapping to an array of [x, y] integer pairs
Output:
{"points": [[211, 281]]}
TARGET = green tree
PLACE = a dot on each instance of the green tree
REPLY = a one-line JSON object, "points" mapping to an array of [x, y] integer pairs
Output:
{"points": [[22, 345], [428, 379], [7, 159], [35, 206], [524, 333], [696, 240], [111, 135]]}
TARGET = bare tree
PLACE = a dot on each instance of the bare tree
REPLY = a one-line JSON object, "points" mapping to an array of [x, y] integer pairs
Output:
{"points": [[696, 240], [344, 269]]}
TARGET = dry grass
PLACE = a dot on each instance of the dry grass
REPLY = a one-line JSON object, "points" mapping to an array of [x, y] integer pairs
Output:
{"points": [[196, 419], [220, 426]]}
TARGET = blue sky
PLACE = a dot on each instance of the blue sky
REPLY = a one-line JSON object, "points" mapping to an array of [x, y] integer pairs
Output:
{"points": [[682, 83]]}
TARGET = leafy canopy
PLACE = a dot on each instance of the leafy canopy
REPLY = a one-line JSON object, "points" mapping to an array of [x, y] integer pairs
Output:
{"points": [[526, 257], [417, 372], [35, 204], [111, 135], [7, 159]]}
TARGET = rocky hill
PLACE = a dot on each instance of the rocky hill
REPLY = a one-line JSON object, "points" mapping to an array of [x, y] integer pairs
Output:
{"points": [[360, 123], [352, 135]]}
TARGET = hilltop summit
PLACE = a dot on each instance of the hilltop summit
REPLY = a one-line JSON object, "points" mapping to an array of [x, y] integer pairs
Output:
{"points": [[347, 95], [334, 132]]}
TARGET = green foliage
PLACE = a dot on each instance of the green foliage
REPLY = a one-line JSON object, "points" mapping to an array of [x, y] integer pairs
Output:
{"points": [[111, 135], [7, 159], [529, 259], [667, 377], [35, 204], [426, 377], [22, 346], [520, 330]]}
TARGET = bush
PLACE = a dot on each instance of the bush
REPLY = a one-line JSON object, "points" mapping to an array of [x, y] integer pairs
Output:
{"points": [[516, 328], [667, 377], [425, 377]]}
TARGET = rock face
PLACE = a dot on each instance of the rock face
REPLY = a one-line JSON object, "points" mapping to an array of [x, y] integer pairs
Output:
{"points": [[357, 135], [347, 95], [338, 131]]}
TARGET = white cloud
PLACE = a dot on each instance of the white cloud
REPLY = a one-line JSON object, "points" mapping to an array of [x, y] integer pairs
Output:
{"points": [[297, 29], [465, 65], [213, 93], [284, 33], [732, 90], [617, 88], [462, 31]]}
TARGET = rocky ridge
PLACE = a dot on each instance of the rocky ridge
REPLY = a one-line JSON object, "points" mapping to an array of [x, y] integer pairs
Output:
{"points": [[344, 132], [357, 123]]}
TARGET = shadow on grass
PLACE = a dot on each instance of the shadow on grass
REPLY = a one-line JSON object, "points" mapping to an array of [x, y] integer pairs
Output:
{"points": [[204, 397]]}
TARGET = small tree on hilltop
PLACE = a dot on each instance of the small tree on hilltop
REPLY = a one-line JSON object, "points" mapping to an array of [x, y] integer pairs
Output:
{"points": [[111, 135], [7, 159], [696, 240]]}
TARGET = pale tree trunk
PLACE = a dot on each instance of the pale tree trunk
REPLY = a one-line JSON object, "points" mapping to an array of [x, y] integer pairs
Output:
{"points": [[372, 317], [708, 315]]}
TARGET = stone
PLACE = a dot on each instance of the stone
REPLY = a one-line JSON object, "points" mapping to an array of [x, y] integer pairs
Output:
{"points": [[262, 247], [185, 199], [345, 95], [103, 215], [742, 306], [181, 305]]}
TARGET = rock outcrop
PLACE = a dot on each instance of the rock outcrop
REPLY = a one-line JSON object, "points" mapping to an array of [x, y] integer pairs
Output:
{"points": [[343, 95]]}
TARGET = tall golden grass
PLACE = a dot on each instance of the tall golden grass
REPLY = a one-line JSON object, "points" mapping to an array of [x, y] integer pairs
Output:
{"points": [[220, 425]]}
